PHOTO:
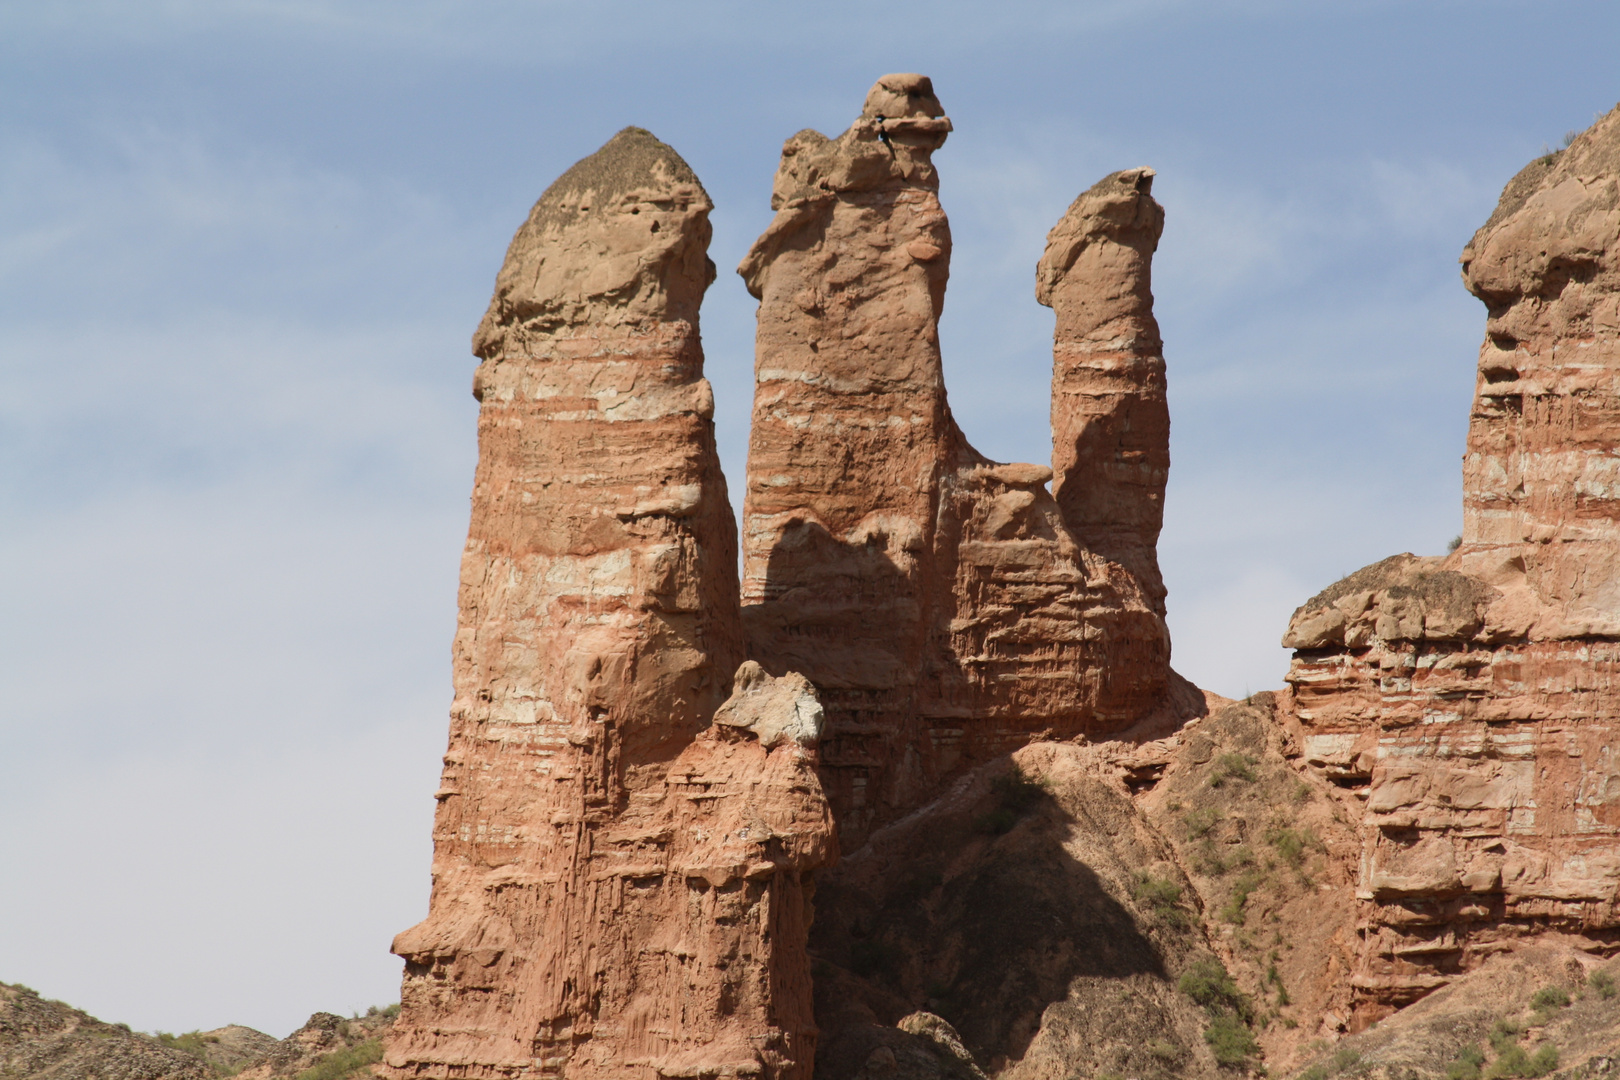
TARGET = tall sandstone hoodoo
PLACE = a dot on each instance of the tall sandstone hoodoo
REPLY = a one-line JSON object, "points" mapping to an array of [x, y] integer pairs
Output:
{"points": [[948, 608], [1473, 700], [624, 855], [620, 885], [1110, 418]]}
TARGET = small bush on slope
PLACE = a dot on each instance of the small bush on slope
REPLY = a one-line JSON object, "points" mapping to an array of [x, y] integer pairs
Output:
{"points": [[344, 1062]]}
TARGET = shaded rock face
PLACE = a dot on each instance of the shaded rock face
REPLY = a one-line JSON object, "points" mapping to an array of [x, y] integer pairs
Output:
{"points": [[1048, 905], [948, 608], [1473, 701], [620, 887]]}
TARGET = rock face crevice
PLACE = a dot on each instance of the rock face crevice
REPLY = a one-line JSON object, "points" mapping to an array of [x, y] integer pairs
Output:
{"points": [[620, 887], [948, 607], [1473, 700]]}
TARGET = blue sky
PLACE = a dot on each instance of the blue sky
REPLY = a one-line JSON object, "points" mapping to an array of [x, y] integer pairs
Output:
{"points": [[243, 246]]}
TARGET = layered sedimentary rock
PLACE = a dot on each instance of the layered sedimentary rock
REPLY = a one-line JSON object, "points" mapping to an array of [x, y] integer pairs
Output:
{"points": [[620, 885], [946, 606], [1474, 700], [1110, 418]]}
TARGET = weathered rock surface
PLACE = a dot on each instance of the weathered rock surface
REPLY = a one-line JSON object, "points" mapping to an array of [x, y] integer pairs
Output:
{"points": [[939, 601], [1473, 701], [620, 886], [1110, 418]]}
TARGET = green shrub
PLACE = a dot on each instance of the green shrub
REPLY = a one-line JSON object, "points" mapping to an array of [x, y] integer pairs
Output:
{"points": [[1207, 859], [1164, 1050], [1232, 911], [1199, 820], [191, 1042], [1230, 1041], [1275, 979], [1211, 861], [1233, 766], [1293, 844], [344, 1062], [1603, 983], [1549, 998], [1162, 897], [1512, 1061], [389, 1011], [1503, 1034], [1208, 984], [1467, 1064]]}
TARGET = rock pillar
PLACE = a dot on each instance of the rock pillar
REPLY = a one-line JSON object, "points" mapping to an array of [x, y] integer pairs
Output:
{"points": [[620, 887], [937, 599], [1110, 419]]}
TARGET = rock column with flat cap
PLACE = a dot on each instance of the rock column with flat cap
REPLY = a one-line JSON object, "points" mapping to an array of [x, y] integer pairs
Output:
{"points": [[937, 599], [1473, 700], [620, 886]]}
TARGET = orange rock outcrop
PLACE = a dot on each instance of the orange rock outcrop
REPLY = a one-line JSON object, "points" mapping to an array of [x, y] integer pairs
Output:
{"points": [[622, 853], [948, 608], [1473, 700]]}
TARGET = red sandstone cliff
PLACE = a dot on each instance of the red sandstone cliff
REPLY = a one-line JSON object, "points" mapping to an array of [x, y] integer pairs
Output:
{"points": [[948, 607], [1473, 701], [620, 886]]}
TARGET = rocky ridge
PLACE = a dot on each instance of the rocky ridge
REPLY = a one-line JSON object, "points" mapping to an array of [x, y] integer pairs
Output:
{"points": [[42, 1039]]}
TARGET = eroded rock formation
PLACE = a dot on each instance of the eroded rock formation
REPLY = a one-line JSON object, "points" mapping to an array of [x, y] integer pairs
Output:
{"points": [[1110, 419], [1474, 700], [620, 886], [948, 608]]}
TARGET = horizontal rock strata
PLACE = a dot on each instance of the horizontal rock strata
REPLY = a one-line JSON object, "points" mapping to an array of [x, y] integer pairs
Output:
{"points": [[944, 604], [620, 886], [1474, 700], [1110, 418]]}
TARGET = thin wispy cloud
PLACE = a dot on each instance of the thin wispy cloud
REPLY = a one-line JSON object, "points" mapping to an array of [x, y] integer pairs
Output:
{"points": [[243, 246]]}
